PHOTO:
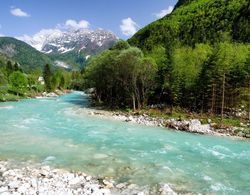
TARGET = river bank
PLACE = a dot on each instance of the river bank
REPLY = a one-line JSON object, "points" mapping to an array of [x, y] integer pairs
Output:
{"points": [[12, 98], [36, 179], [187, 125], [56, 93]]}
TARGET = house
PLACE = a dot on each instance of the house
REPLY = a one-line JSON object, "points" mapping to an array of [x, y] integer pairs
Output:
{"points": [[41, 80]]}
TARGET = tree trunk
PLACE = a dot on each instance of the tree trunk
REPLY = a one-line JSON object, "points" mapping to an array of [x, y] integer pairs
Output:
{"points": [[223, 97], [213, 99], [133, 99], [202, 104], [138, 98], [99, 98]]}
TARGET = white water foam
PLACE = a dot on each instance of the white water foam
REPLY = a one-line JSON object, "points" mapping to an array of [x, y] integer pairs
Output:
{"points": [[29, 120], [6, 107], [217, 151], [167, 168], [244, 155], [207, 178], [71, 145], [221, 148], [100, 156], [48, 160], [220, 187]]}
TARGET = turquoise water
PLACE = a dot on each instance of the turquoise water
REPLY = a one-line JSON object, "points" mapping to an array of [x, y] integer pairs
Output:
{"points": [[57, 132]]}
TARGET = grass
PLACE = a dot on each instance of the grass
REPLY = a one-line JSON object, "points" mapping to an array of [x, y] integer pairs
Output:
{"points": [[4, 97], [9, 97]]}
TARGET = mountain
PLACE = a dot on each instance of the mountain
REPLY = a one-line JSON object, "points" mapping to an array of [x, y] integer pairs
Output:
{"points": [[70, 60], [182, 2], [91, 42], [72, 48], [24, 54], [198, 21]]}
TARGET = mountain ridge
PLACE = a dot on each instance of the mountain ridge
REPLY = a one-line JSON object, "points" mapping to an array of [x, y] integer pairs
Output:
{"points": [[60, 42]]}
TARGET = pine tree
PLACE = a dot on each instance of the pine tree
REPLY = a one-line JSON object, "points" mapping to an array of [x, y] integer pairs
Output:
{"points": [[9, 68], [47, 75]]}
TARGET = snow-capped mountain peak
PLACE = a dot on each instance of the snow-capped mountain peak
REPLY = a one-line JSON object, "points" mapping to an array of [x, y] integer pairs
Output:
{"points": [[57, 41]]}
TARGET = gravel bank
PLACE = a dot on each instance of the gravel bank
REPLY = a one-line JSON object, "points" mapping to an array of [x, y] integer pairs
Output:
{"points": [[34, 179], [191, 125]]}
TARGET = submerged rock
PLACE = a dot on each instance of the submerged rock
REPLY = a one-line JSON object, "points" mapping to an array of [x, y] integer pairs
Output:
{"points": [[166, 190]]}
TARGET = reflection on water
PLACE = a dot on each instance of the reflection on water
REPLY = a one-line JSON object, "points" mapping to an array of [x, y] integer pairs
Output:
{"points": [[58, 132]]}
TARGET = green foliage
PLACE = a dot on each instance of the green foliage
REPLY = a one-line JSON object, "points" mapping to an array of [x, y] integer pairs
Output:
{"points": [[59, 80], [186, 66], [47, 75], [15, 84], [120, 45], [202, 53], [18, 82], [230, 61], [122, 76], [75, 59], [34, 84], [9, 68], [77, 80], [197, 21], [3, 82]]}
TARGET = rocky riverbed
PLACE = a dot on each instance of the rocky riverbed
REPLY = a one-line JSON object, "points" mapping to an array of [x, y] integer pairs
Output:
{"points": [[34, 179], [190, 125], [52, 94]]}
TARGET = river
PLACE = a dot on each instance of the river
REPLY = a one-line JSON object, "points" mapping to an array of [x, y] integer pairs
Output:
{"points": [[51, 131]]}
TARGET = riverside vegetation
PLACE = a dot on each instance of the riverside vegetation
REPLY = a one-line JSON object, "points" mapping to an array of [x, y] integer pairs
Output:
{"points": [[16, 84], [194, 62]]}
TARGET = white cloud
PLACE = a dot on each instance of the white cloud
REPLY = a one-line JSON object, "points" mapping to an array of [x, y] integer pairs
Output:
{"points": [[1, 35], [74, 25], [128, 27], [164, 12], [18, 12]]}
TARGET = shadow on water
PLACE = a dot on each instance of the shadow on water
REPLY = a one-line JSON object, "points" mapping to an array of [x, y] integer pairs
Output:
{"points": [[81, 100]]}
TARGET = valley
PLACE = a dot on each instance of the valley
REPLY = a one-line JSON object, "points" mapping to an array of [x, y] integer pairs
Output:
{"points": [[120, 98]]}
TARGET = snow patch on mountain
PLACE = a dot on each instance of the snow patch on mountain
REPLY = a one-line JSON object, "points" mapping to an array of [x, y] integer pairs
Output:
{"points": [[65, 50], [49, 51], [62, 64], [87, 57]]}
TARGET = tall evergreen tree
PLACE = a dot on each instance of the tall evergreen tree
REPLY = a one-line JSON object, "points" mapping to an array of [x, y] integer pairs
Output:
{"points": [[47, 75]]}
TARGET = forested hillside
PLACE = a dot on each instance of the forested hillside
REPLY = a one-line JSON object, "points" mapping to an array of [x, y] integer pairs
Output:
{"points": [[206, 46], [73, 59], [201, 53], [28, 57], [198, 21]]}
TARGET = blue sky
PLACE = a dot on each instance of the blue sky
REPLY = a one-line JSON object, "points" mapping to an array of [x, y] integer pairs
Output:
{"points": [[123, 17]]}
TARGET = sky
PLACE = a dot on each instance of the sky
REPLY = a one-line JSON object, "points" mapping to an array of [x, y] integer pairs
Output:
{"points": [[20, 18]]}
